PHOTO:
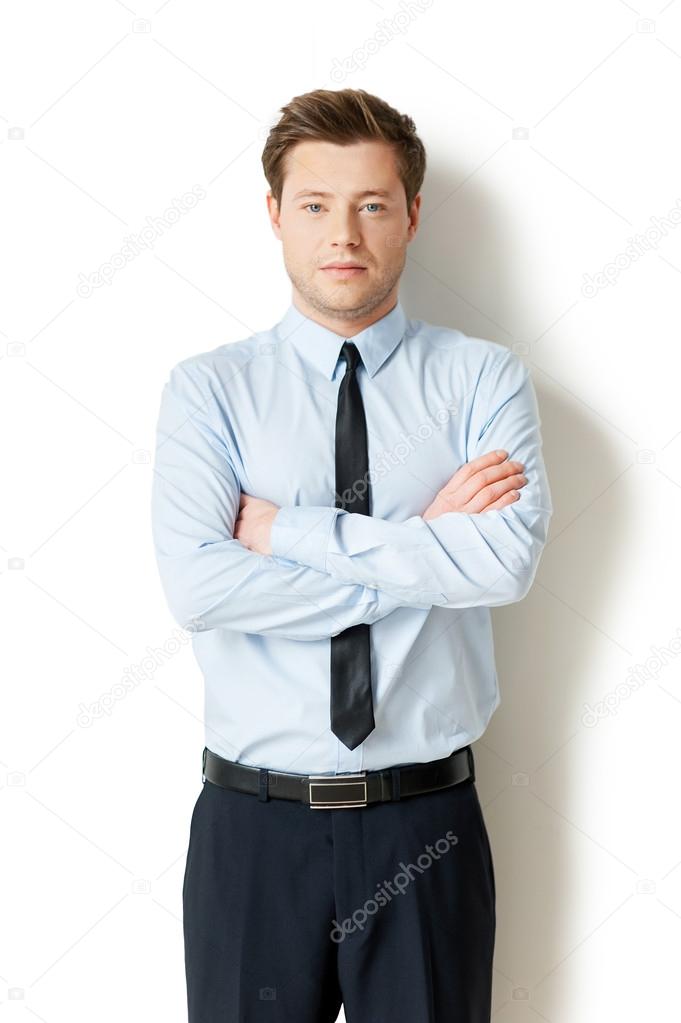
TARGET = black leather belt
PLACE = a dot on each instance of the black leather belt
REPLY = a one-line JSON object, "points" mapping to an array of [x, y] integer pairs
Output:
{"points": [[338, 791]]}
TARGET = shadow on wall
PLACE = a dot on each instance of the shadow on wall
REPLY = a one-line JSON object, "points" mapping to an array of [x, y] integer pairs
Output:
{"points": [[462, 272]]}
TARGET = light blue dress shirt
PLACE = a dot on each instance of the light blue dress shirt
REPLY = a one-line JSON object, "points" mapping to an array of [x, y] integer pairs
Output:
{"points": [[258, 416]]}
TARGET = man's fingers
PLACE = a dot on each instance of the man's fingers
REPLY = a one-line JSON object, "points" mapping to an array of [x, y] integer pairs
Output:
{"points": [[487, 495], [464, 488], [486, 483], [510, 498], [468, 469], [490, 466]]}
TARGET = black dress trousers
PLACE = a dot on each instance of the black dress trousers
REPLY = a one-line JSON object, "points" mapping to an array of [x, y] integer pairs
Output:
{"points": [[290, 912]]}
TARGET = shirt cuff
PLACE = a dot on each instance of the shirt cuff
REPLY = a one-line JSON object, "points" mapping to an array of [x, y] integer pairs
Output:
{"points": [[302, 534]]}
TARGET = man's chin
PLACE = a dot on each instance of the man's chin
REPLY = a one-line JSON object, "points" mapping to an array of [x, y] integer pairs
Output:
{"points": [[341, 300]]}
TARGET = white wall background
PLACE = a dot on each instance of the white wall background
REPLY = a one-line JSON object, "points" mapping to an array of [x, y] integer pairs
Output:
{"points": [[552, 134]]}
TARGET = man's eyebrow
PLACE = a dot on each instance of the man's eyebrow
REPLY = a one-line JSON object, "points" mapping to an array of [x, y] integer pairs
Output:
{"points": [[358, 195]]}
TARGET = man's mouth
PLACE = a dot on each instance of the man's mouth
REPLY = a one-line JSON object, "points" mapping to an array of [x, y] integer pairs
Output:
{"points": [[343, 270]]}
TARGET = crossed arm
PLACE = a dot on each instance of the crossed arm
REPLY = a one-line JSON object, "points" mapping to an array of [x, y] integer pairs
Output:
{"points": [[210, 579], [330, 569]]}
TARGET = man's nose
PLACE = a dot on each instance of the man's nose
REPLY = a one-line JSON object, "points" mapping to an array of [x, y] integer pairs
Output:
{"points": [[344, 229]]}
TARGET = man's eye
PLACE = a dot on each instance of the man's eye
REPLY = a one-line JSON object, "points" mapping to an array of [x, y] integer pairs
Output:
{"points": [[379, 206]]}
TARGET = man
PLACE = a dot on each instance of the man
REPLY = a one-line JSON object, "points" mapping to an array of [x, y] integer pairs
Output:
{"points": [[337, 504]]}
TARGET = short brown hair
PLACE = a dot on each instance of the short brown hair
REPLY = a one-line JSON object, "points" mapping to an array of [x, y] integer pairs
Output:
{"points": [[344, 116]]}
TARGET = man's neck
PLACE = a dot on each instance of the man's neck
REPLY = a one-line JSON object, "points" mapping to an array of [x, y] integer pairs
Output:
{"points": [[344, 326]]}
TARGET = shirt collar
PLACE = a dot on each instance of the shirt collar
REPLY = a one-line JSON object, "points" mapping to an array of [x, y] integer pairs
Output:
{"points": [[321, 346]]}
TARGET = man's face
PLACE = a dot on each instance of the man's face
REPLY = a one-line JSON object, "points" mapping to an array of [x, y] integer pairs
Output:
{"points": [[361, 219]]}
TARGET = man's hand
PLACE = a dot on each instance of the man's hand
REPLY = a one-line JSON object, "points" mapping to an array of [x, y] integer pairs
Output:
{"points": [[485, 484], [253, 526]]}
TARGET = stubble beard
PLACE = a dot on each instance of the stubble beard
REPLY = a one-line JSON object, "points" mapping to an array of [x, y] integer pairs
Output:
{"points": [[324, 302]]}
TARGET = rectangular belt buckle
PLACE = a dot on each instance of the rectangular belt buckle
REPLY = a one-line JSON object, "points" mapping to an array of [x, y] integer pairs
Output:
{"points": [[336, 791]]}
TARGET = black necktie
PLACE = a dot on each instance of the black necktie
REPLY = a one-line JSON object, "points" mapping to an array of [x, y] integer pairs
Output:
{"points": [[352, 713]]}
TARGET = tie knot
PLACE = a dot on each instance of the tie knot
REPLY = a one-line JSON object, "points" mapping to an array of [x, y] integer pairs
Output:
{"points": [[350, 354]]}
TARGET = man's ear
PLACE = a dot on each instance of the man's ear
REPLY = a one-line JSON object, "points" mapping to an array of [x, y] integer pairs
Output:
{"points": [[414, 215], [273, 210]]}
